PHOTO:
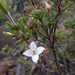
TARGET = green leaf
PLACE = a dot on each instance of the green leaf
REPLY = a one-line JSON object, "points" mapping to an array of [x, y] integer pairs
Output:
{"points": [[34, 33], [42, 38], [51, 30], [59, 34], [35, 15], [70, 23], [4, 4], [70, 3], [3, 9], [53, 0], [9, 26], [25, 31], [18, 42]]}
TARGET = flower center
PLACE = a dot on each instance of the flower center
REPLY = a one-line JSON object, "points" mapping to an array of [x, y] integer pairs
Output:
{"points": [[34, 51]]}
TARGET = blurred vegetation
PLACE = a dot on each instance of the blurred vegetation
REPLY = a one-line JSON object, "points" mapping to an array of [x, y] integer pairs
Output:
{"points": [[65, 34]]}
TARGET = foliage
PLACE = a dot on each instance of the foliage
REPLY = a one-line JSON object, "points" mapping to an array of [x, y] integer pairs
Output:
{"points": [[40, 24]]}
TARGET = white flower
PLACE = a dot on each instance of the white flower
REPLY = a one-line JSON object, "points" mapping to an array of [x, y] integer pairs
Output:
{"points": [[34, 52]]}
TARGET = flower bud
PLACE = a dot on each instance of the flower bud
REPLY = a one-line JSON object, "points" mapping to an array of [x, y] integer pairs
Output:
{"points": [[46, 5], [28, 23], [7, 33], [26, 9]]}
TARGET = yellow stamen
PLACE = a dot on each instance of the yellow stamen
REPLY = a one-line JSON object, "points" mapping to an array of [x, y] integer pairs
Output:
{"points": [[34, 51]]}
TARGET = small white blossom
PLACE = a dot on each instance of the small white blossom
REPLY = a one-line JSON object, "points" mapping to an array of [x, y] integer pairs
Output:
{"points": [[34, 52]]}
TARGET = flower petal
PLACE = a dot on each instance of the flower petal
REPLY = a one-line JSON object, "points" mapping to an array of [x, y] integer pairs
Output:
{"points": [[33, 46], [35, 58], [28, 53], [40, 50]]}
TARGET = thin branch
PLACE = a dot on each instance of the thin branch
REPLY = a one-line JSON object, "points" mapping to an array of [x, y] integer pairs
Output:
{"points": [[54, 52], [11, 19], [64, 61], [32, 5]]}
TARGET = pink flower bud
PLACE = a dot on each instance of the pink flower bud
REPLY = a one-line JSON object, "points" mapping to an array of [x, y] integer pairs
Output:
{"points": [[46, 5]]}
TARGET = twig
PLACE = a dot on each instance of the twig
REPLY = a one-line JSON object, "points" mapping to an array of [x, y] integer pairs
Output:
{"points": [[53, 40], [54, 52], [11, 19], [32, 5], [17, 52], [64, 61]]}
